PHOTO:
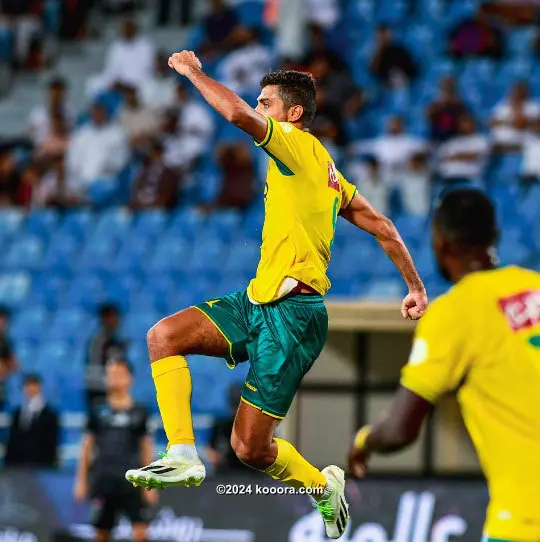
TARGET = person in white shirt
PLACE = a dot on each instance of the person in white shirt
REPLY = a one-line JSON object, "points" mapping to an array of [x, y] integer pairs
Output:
{"points": [[325, 13], [130, 60], [366, 176], [242, 69], [512, 118], [136, 120], [41, 117], [97, 153], [462, 158], [159, 91], [415, 188], [530, 169], [189, 127], [393, 150]]}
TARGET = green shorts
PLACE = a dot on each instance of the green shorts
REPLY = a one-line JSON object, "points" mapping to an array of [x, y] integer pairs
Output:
{"points": [[281, 340]]}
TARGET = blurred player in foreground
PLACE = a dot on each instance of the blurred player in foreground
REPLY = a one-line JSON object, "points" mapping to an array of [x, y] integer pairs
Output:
{"points": [[280, 323], [481, 339], [117, 436]]}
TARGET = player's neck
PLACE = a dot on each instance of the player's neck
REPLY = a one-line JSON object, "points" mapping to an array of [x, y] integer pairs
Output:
{"points": [[483, 260], [119, 400]]}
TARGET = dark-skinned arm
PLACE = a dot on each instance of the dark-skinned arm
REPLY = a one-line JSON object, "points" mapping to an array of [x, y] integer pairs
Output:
{"points": [[397, 430], [363, 215]]}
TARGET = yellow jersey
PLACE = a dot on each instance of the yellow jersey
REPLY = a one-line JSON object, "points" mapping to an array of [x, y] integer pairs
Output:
{"points": [[303, 196], [482, 338]]}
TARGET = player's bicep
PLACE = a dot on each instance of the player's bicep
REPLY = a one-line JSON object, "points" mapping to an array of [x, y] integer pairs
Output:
{"points": [[279, 142]]}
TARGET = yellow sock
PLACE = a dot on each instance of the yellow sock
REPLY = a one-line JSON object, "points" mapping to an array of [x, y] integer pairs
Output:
{"points": [[173, 385], [292, 469]]}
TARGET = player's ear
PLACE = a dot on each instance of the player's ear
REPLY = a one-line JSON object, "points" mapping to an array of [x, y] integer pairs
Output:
{"points": [[295, 113]]}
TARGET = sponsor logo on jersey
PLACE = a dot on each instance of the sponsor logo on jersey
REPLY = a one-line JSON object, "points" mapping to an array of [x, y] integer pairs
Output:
{"points": [[333, 179], [522, 311], [211, 303]]}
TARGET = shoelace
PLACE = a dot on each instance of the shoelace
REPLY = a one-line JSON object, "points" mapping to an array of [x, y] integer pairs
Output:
{"points": [[326, 509]]}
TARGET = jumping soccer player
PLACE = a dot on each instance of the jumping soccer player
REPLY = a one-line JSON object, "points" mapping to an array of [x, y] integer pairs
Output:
{"points": [[481, 339], [280, 324]]}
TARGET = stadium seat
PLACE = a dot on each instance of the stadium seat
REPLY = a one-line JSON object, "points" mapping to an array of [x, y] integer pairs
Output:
{"points": [[207, 255], [10, 221], [73, 324], [25, 252], [27, 352], [14, 288], [86, 293], [30, 323], [78, 223], [40, 223], [113, 223], [149, 224], [137, 324]]}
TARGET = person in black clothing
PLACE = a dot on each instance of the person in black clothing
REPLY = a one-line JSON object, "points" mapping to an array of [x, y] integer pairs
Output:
{"points": [[220, 452], [218, 26], [33, 438], [392, 64], [8, 362], [104, 345], [117, 437]]}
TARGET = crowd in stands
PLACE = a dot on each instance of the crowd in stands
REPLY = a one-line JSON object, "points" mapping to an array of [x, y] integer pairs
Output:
{"points": [[145, 132]]}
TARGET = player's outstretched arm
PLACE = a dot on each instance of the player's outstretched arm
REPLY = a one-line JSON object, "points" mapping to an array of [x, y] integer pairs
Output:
{"points": [[362, 214], [223, 100], [398, 429]]}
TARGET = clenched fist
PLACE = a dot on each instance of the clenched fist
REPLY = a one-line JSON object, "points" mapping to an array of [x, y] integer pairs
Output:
{"points": [[414, 305], [184, 61]]}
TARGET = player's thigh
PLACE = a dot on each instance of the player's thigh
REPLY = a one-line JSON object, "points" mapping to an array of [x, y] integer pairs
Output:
{"points": [[187, 332], [290, 338], [252, 428]]}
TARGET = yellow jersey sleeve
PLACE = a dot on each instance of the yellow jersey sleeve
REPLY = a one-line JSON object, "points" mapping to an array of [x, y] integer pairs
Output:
{"points": [[439, 361], [282, 145], [348, 191]]}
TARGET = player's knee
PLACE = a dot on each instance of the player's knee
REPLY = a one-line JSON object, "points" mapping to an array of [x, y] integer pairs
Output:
{"points": [[161, 335], [253, 455]]}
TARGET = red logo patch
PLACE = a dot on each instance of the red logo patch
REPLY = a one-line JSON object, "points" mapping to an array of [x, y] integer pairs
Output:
{"points": [[333, 179], [522, 310]]}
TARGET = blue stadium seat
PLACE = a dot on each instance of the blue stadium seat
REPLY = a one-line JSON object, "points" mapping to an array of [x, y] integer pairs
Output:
{"points": [[171, 253], [385, 290], [30, 323], [10, 221], [41, 223], [149, 224], [72, 324], [53, 353], [61, 251], [47, 289], [86, 292], [113, 223], [27, 352], [134, 254], [207, 255], [78, 223], [243, 257], [137, 324], [14, 288], [185, 223], [25, 252], [98, 252]]}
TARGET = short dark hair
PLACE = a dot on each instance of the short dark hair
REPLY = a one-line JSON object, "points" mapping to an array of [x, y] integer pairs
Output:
{"points": [[467, 216], [57, 82], [121, 361], [107, 309], [32, 378], [295, 88]]}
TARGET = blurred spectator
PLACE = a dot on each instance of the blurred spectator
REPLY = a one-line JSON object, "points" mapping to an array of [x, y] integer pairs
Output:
{"points": [[185, 11], [237, 176], [73, 17], [244, 67], [336, 83], [56, 142], [462, 158], [219, 451], [8, 361], [9, 178], [41, 117], [415, 187], [187, 130], [392, 64], [393, 150], [49, 191], [23, 17], [117, 437], [318, 47], [366, 175], [444, 112], [97, 152], [328, 124], [476, 36], [130, 60], [159, 91], [531, 154], [137, 120], [156, 186], [218, 27], [512, 117], [106, 344], [34, 434], [325, 13]]}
